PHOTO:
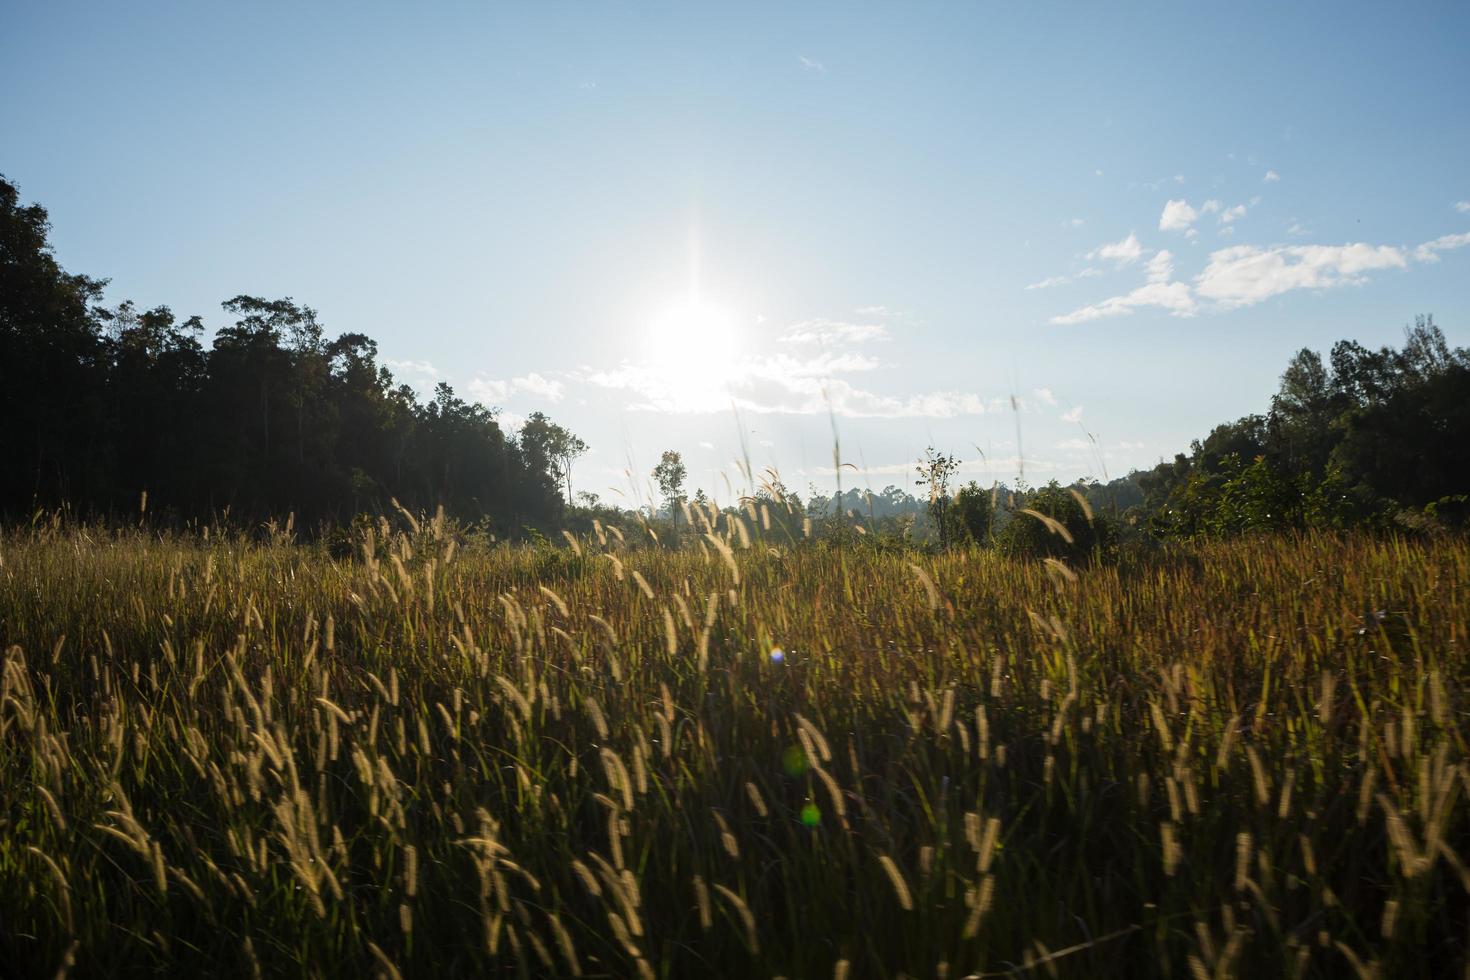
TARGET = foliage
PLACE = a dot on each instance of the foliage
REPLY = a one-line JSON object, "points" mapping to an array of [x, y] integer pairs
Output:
{"points": [[970, 514], [104, 405], [554, 443], [1054, 522], [1359, 442], [669, 474], [449, 757], [934, 471]]}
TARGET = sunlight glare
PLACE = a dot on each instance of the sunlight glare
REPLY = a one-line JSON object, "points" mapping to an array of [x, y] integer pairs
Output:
{"points": [[693, 346]]}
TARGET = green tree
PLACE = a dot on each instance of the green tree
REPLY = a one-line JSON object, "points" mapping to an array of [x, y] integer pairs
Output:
{"points": [[669, 474], [970, 515], [559, 444], [935, 469], [1054, 522]]}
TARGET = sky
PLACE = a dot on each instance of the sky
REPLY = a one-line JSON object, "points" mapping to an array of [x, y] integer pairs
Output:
{"points": [[1070, 238]]}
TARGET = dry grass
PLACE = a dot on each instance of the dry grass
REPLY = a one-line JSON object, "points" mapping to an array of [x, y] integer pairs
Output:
{"points": [[251, 759]]}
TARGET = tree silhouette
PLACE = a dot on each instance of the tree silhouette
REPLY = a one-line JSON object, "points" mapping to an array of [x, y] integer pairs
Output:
{"points": [[560, 446], [669, 474], [101, 405]]}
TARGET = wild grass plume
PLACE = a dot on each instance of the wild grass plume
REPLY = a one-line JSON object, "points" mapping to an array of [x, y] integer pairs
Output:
{"points": [[445, 758]]}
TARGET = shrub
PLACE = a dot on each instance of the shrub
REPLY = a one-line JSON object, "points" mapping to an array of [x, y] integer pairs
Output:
{"points": [[1066, 527]]}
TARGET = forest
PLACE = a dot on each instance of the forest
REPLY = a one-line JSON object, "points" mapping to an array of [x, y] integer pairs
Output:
{"points": [[104, 404]]}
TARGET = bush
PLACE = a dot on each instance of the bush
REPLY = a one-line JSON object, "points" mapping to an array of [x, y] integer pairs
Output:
{"points": [[1067, 528], [969, 515]]}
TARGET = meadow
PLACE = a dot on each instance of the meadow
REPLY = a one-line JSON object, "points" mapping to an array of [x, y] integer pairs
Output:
{"points": [[742, 756]]}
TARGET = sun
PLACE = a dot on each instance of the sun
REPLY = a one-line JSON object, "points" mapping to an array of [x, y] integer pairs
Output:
{"points": [[692, 351], [693, 336]]}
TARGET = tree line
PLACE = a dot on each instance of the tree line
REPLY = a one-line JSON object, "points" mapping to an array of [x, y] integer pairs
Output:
{"points": [[1362, 438], [105, 408], [102, 405], [1368, 439]]}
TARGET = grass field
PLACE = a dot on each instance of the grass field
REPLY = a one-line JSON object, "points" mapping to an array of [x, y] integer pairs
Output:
{"points": [[1238, 759]]}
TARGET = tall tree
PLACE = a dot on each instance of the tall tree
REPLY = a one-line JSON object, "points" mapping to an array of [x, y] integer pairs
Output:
{"points": [[100, 405], [935, 470], [669, 474], [53, 366], [561, 446]]}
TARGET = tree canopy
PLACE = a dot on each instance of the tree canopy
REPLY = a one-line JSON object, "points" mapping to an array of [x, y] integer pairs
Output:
{"points": [[1364, 437], [104, 404]]}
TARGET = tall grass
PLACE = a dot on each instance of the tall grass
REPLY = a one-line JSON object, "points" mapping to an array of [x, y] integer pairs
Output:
{"points": [[251, 759]]}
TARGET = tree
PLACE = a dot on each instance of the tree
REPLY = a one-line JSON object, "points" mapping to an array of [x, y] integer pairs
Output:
{"points": [[560, 445], [1360, 443], [970, 515], [1066, 528], [669, 475], [53, 368], [101, 404], [935, 470], [1301, 412]]}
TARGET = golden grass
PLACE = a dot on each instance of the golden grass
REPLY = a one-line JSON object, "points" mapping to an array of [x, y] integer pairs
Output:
{"points": [[445, 759]]}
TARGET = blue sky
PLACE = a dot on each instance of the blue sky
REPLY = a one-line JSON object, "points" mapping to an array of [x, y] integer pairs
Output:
{"points": [[632, 216]]}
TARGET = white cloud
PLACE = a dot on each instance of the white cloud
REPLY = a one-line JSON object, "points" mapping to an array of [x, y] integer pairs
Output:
{"points": [[1243, 275], [1076, 222], [1072, 414], [1051, 281], [811, 64], [1463, 207], [490, 391], [423, 369], [1044, 396], [1271, 177], [815, 396], [1124, 252], [1231, 214], [1172, 296], [1074, 444], [535, 384], [789, 382], [706, 445], [1158, 291], [1426, 252], [1177, 216], [826, 332], [1161, 266]]}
